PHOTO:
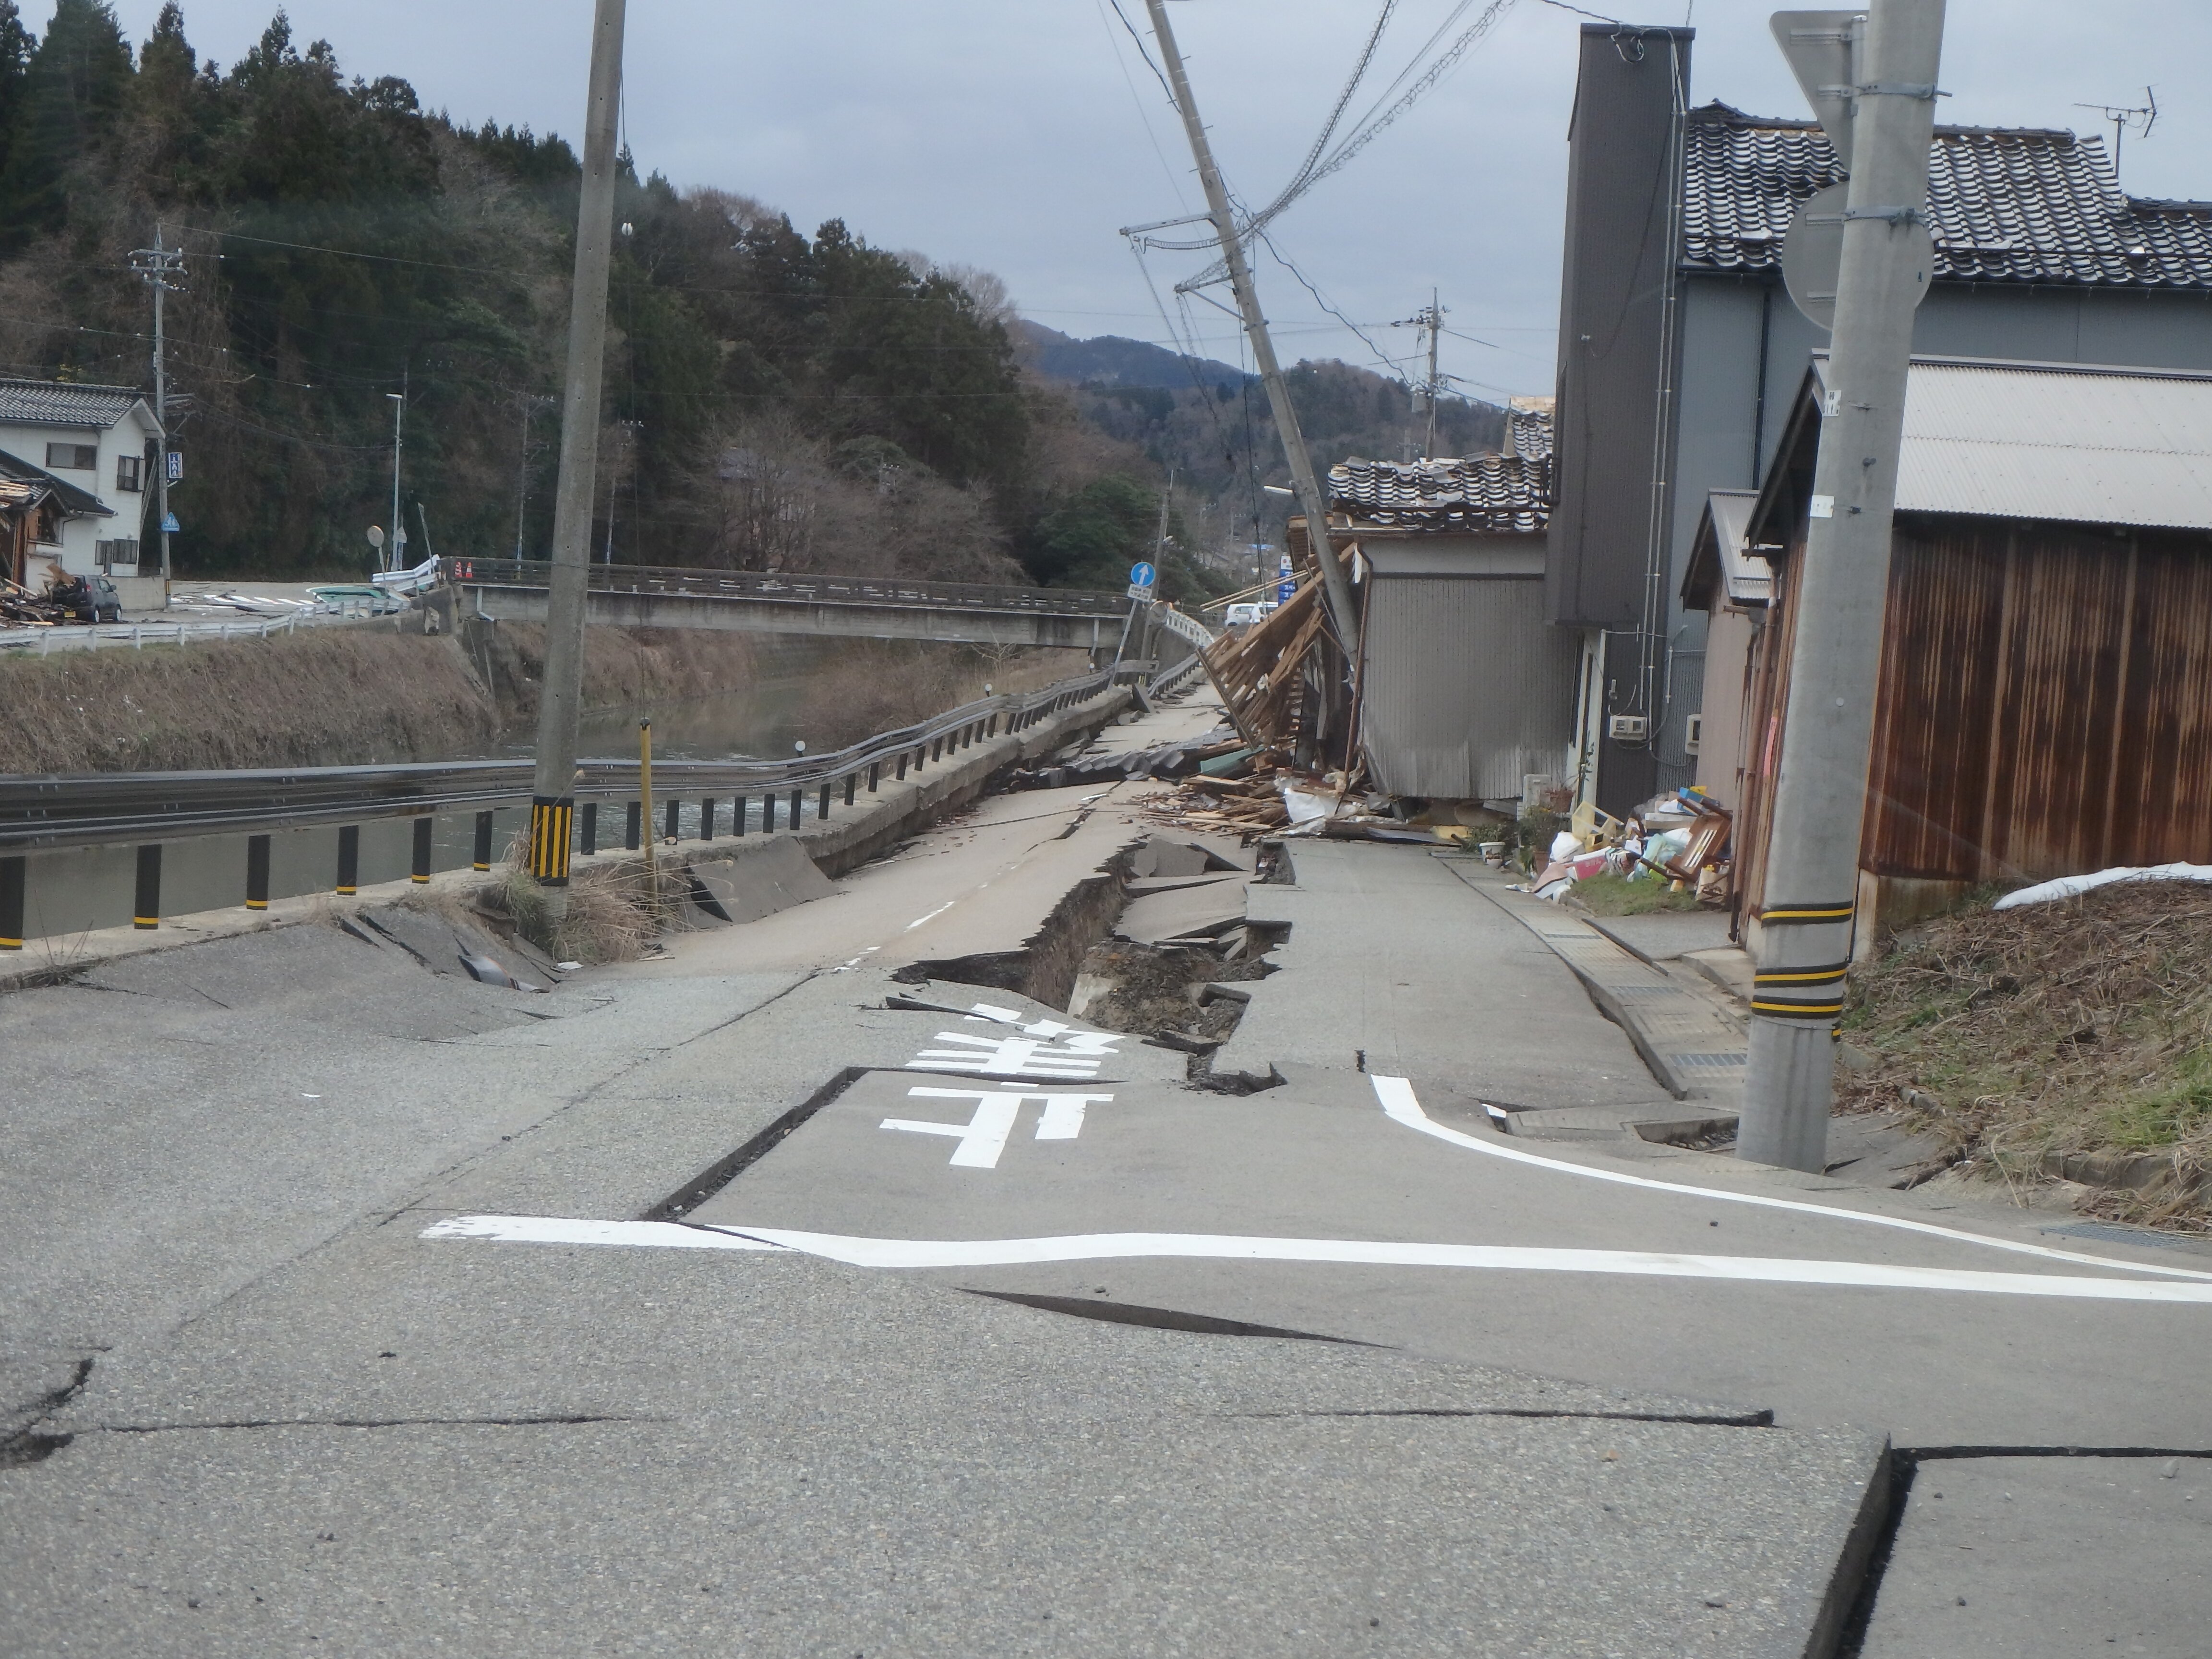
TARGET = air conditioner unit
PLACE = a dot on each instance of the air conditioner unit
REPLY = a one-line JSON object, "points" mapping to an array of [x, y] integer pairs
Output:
{"points": [[1694, 737], [1628, 728]]}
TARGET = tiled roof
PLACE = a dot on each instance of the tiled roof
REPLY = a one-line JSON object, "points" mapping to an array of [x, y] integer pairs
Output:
{"points": [[1494, 493], [1529, 432], [55, 402], [2006, 205], [81, 504]]}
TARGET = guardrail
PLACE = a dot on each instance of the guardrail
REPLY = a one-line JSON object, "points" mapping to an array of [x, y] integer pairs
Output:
{"points": [[45, 812], [44, 641], [781, 588]]}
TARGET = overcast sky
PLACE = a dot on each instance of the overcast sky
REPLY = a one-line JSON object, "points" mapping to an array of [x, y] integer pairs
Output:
{"points": [[1018, 135]]}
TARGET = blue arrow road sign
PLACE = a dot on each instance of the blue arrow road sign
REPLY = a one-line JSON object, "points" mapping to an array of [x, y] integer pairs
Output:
{"points": [[1141, 575]]}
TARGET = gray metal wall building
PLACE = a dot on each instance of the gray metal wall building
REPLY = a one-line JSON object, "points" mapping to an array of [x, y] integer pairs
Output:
{"points": [[1466, 689]]}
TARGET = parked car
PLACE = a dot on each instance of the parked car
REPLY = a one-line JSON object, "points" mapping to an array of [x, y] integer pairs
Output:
{"points": [[1244, 615], [87, 599]]}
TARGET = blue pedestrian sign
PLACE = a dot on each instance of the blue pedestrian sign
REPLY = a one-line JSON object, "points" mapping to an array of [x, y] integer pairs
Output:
{"points": [[169, 523], [1141, 575]]}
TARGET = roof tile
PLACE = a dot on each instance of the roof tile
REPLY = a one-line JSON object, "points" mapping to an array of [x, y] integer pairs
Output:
{"points": [[2006, 205], [57, 402], [1493, 493]]}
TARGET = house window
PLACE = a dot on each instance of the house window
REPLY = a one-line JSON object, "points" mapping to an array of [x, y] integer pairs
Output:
{"points": [[46, 529], [74, 457], [127, 469]]}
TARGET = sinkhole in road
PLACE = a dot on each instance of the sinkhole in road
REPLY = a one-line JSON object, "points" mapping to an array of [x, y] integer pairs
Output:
{"points": [[1179, 994]]}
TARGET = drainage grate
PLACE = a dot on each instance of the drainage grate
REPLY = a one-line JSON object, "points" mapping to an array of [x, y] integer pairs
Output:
{"points": [[1707, 1060], [2112, 1234]]}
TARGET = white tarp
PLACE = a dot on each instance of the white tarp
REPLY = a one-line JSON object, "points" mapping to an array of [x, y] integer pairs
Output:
{"points": [[2067, 886]]}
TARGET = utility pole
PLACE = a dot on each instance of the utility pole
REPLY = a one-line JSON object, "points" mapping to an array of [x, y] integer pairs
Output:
{"points": [[552, 802], [1338, 587], [1431, 321], [522, 473], [398, 528], [1809, 906], [158, 265]]}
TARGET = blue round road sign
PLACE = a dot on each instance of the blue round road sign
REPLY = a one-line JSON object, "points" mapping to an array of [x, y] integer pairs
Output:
{"points": [[1141, 575]]}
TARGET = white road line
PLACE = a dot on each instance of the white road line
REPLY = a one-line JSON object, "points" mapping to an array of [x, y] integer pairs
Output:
{"points": [[556, 1229], [894, 1253], [1400, 1104], [932, 916]]}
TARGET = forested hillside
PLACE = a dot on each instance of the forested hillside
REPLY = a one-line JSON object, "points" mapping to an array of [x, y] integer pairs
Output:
{"points": [[1209, 423], [774, 399]]}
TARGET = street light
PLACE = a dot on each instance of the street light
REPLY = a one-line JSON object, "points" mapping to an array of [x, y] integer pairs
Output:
{"points": [[398, 525]]}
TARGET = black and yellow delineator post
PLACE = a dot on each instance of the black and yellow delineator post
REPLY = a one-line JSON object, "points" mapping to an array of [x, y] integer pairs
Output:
{"points": [[256, 872], [11, 903], [552, 823], [349, 860], [1788, 987], [420, 874], [146, 907]]}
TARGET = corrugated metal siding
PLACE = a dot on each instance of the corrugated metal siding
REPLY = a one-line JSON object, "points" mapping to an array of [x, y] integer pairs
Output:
{"points": [[2081, 446], [2045, 705], [1466, 689]]}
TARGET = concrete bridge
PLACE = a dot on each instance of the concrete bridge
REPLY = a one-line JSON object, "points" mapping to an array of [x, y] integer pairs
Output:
{"points": [[762, 602]]}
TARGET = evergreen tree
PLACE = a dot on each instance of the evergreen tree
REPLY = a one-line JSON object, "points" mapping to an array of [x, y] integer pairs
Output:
{"points": [[72, 99], [17, 45]]}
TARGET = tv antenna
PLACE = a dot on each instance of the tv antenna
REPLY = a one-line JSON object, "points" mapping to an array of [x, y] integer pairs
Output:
{"points": [[2140, 117]]}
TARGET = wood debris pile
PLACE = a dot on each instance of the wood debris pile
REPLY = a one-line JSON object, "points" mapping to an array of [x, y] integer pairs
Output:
{"points": [[1250, 804], [1260, 675]]}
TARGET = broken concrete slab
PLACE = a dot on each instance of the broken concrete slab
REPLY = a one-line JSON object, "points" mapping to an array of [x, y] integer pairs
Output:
{"points": [[1185, 855], [747, 882], [1202, 911], [2049, 1557]]}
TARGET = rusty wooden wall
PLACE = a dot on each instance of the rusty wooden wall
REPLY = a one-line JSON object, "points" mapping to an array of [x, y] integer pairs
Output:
{"points": [[2045, 705]]}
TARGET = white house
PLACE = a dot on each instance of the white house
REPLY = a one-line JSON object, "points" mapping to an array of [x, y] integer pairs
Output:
{"points": [[98, 446]]}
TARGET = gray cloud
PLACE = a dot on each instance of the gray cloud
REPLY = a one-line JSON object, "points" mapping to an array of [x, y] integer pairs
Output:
{"points": [[1016, 135]]}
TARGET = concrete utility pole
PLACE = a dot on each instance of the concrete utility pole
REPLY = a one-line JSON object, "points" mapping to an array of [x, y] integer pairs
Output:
{"points": [[399, 527], [159, 264], [1335, 583], [1842, 580], [552, 803], [1436, 325]]}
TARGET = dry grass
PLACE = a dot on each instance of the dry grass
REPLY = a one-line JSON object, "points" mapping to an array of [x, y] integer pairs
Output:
{"points": [[2080, 1026], [609, 918], [338, 696], [325, 696]]}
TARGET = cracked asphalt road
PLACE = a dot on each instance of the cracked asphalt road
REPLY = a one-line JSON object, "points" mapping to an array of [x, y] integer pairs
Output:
{"points": [[259, 1411]]}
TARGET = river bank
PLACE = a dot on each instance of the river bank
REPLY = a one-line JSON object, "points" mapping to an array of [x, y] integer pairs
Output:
{"points": [[367, 693]]}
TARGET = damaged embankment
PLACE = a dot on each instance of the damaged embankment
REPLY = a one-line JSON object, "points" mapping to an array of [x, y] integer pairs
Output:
{"points": [[352, 694]]}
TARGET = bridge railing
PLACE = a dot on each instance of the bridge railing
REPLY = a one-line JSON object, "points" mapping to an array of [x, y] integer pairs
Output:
{"points": [[39, 813], [777, 587]]}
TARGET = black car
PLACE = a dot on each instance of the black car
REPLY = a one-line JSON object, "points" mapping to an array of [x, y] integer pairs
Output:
{"points": [[88, 598]]}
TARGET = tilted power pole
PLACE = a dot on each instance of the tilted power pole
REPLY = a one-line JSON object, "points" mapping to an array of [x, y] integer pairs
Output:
{"points": [[553, 799], [1842, 579], [1342, 611]]}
